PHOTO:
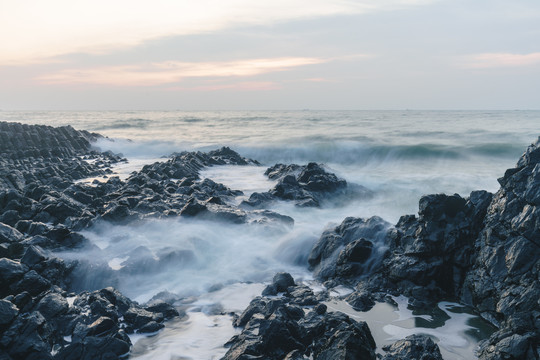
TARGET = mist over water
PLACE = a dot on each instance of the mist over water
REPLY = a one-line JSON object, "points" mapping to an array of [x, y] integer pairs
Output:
{"points": [[399, 155]]}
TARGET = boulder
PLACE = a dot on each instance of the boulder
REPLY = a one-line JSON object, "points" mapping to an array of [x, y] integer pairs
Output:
{"points": [[419, 347]]}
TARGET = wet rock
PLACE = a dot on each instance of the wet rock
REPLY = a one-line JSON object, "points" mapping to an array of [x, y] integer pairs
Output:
{"points": [[307, 186], [345, 251], [9, 234], [32, 256], [276, 329], [27, 337], [52, 305], [419, 347], [33, 283], [193, 208], [139, 317], [360, 300], [8, 312], [168, 311], [111, 346], [101, 326], [282, 281], [11, 271]]}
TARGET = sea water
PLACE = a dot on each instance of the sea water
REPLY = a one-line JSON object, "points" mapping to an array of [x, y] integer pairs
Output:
{"points": [[399, 155]]}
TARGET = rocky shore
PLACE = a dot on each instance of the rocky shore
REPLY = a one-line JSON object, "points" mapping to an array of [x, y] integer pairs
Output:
{"points": [[482, 251]]}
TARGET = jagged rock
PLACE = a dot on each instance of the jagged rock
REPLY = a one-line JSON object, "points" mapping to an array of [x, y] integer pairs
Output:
{"points": [[10, 271], [277, 329], [360, 300], [8, 311], [52, 305], [418, 347], [503, 281], [345, 251]]}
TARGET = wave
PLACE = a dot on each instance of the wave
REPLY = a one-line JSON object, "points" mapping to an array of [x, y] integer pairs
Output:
{"points": [[497, 149], [136, 123], [351, 153]]}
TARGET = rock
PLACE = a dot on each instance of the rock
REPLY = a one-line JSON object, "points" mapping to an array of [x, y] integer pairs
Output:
{"points": [[277, 329], [33, 283], [52, 305], [360, 300], [282, 281], [168, 311], [101, 327], [193, 208], [9, 234], [111, 346], [27, 337], [419, 347], [307, 186], [8, 312], [32, 256], [139, 317], [342, 251], [348, 340], [10, 271]]}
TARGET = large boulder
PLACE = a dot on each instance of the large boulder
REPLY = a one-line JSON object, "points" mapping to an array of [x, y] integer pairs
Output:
{"points": [[418, 347], [349, 250]]}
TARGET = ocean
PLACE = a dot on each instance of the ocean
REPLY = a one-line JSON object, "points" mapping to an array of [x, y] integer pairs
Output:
{"points": [[399, 155]]}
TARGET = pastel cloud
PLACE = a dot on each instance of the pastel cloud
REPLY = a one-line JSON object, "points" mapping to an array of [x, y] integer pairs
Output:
{"points": [[174, 71], [36, 31], [497, 60]]}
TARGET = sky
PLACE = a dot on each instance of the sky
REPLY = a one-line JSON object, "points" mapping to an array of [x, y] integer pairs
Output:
{"points": [[269, 55]]}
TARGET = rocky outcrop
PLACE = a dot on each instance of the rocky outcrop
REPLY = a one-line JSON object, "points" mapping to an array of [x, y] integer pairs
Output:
{"points": [[39, 319], [281, 328], [44, 155], [307, 186], [503, 283], [483, 250]]}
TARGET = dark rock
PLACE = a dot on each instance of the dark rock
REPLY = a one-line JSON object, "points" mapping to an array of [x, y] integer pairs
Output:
{"points": [[345, 251], [193, 208], [33, 283], [9, 234], [275, 329], [10, 271], [419, 347], [52, 305], [360, 300], [27, 337], [101, 326], [32, 256], [151, 327], [168, 311], [320, 309], [139, 317], [282, 281], [8, 311]]}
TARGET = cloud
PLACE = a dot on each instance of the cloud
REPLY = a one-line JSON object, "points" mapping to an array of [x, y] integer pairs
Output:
{"points": [[37, 31], [497, 60], [174, 71], [240, 86]]}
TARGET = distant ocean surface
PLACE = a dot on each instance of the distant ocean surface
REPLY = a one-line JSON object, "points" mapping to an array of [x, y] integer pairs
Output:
{"points": [[399, 155]]}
